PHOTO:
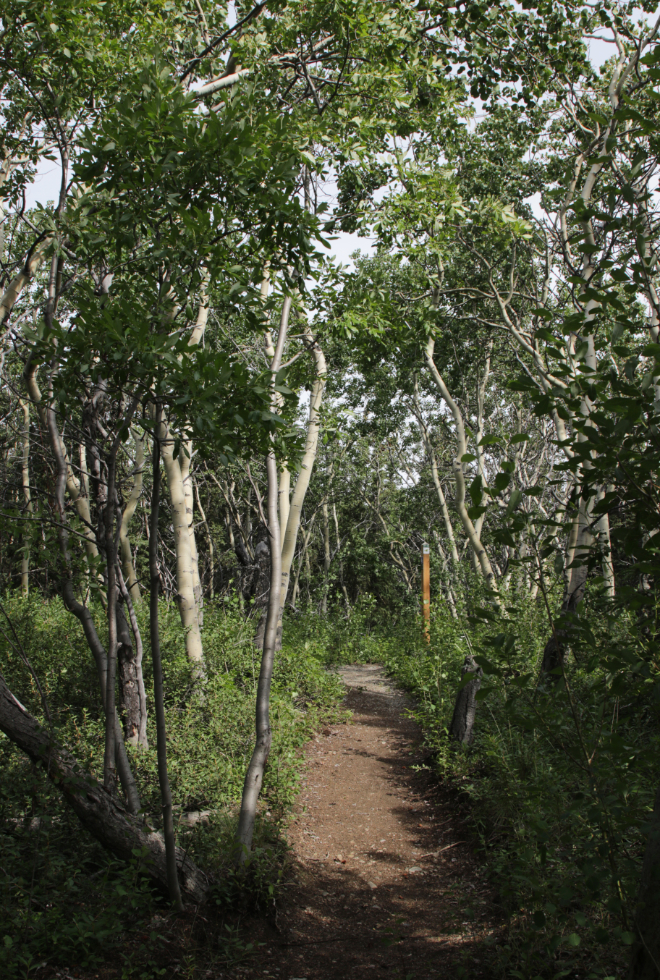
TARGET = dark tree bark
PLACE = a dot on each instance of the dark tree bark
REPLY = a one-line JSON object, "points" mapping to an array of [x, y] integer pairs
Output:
{"points": [[465, 709], [646, 953], [128, 679], [262, 591], [96, 809]]}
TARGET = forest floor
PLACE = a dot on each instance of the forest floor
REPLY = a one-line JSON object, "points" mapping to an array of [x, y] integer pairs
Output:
{"points": [[383, 880]]}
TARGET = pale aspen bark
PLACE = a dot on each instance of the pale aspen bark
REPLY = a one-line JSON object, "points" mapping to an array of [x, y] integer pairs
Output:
{"points": [[428, 445], [128, 569], [481, 397], [80, 499], [208, 538], [459, 476], [284, 496], [341, 564], [309, 457], [306, 535], [20, 281], [326, 556], [602, 530], [451, 599], [180, 496], [185, 458], [27, 496], [185, 577], [255, 771]]}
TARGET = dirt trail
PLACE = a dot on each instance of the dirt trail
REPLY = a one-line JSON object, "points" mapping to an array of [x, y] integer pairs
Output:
{"points": [[385, 881]]}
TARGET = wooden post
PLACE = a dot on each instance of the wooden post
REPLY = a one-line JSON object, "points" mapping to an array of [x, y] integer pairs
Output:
{"points": [[426, 590]]}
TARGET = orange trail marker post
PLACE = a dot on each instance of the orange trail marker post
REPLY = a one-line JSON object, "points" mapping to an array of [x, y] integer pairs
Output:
{"points": [[426, 590]]}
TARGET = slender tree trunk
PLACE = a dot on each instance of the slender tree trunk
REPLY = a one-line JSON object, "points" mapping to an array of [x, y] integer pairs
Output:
{"points": [[99, 813], [187, 570], [428, 445], [27, 497], [185, 576], [326, 556], [306, 535], [81, 612], [128, 569], [255, 772], [341, 564], [209, 539], [309, 456], [555, 649], [111, 557], [141, 711], [284, 497], [159, 703], [185, 459], [478, 549], [481, 398]]}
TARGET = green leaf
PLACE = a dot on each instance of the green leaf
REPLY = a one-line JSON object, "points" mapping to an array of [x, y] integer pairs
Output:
{"points": [[514, 500]]}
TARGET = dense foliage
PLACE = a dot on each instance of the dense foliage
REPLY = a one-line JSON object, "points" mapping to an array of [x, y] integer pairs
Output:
{"points": [[483, 380]]}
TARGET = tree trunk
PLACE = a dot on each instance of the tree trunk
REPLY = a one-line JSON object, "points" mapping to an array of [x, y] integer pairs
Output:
{"points": [[555, 649], [478, 549], [646, 952], [128, 679], [98, 812], [27, 496], [290, 533], [128, 569], [255, 772], [161, 734], [141, 715], [185, 577], [465, 709], [185, 459], [326, 557], [209, 540]]}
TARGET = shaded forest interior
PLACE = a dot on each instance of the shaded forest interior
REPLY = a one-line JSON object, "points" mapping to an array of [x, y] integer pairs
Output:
{"points": [[224, 453]]}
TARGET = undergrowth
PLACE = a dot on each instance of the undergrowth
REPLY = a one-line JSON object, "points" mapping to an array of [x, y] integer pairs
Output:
{"points": [[63, 900], [560, 778]]}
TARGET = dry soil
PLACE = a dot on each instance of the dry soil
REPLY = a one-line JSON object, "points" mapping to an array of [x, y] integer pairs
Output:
{"points": [[385, 882]]}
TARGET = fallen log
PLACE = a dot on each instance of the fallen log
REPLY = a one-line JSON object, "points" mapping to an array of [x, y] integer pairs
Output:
{"points": [[102, 815]]}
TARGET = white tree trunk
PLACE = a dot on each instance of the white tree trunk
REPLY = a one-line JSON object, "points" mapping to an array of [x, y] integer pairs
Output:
{"points": [[459, 476], [185, 577], [309, 457]]}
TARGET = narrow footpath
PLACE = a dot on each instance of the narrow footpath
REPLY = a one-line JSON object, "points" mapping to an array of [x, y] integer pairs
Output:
{"points": [[384, 882]]}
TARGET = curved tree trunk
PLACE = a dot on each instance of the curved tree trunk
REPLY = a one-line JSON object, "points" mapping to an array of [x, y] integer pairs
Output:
{"points": [[98, 812], [478, 549]]}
